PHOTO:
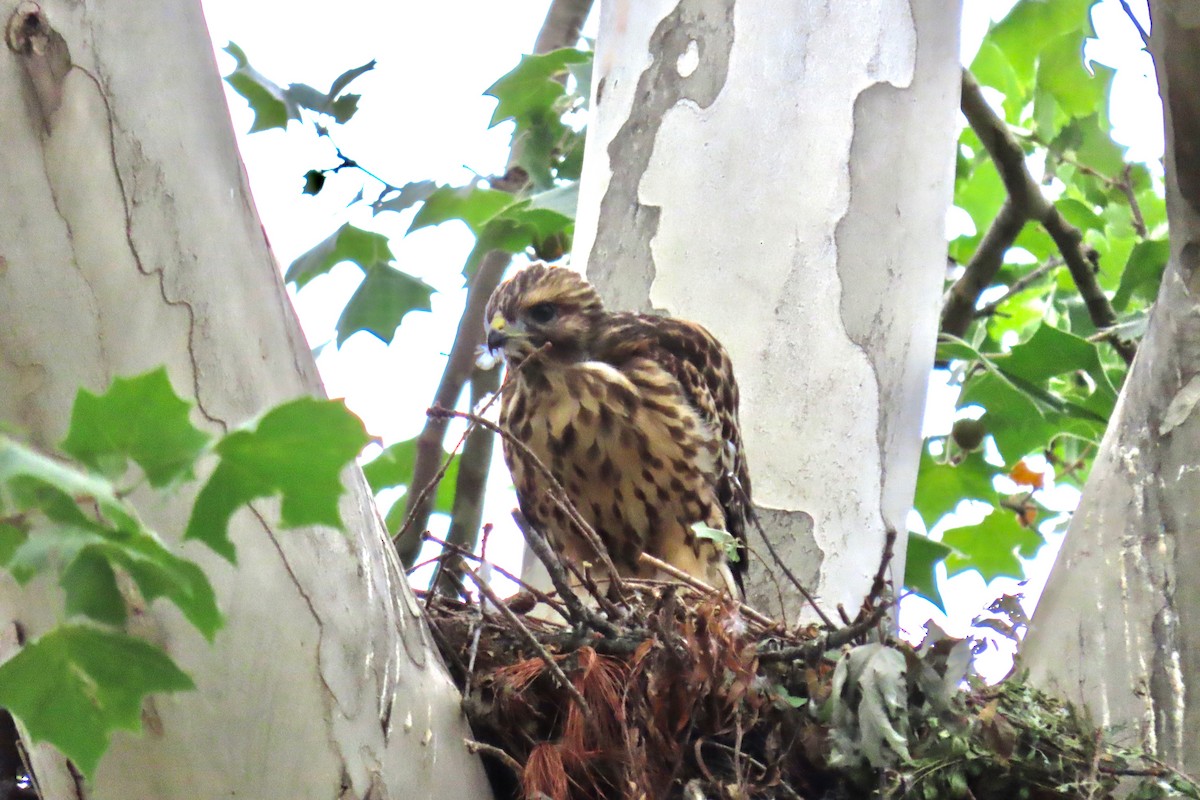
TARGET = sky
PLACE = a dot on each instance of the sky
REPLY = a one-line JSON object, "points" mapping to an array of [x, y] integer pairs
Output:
{"points": [[423, 116]]}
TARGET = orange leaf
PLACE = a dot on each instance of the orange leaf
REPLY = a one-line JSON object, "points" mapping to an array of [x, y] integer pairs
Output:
{"points": [[1025, 476]]}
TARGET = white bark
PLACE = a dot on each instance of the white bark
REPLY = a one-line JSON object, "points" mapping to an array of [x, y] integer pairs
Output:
{"points": [[129, 239], [780, 172], [1118, 628]]}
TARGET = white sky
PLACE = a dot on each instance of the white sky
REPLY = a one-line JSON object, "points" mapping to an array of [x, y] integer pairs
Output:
{"points": [[423, 116]]}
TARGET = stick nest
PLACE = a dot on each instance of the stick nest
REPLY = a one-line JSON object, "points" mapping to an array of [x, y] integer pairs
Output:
{"points": [[685, 695]]}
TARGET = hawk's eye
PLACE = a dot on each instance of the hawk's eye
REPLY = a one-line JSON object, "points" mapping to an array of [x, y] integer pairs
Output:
{"points": [[542, 313]]}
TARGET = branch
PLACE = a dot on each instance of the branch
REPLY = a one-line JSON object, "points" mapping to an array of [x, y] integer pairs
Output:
{"points": [[1026, 203], [701, 586], [561, 28], [1021, 284], [959, 310], [466, 516]]}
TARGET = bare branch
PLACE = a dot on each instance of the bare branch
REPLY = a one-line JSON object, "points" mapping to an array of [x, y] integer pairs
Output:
{"points": [[561, 28], [1026, 203], [699, 585], [1021, 284]]}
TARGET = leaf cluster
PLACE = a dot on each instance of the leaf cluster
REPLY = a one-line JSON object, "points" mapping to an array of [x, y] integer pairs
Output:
{"points": [[1038, 375], [71, 516]]}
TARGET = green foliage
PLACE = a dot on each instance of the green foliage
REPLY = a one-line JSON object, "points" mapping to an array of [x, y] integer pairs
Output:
{"points": [[297, 450], [394, 467], [529, 209], [1045, 378], [79, 682]]}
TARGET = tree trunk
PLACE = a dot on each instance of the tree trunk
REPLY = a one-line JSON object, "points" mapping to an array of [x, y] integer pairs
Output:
{"points": [[781, 172], [128, 240], [1118, 627]]}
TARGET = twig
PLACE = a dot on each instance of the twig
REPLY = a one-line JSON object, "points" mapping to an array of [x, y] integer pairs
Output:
{"points": [[463, 552], [1126, 184], [1021, 284], [458, 368], [530, 640], [782, 785], [783, 566], [829, 641], [466, 514], [504, 758], [700, 585], [980, 271], [880, 582], [558, 576]]}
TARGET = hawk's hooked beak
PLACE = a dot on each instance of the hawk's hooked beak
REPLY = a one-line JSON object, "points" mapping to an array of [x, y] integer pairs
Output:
{"points": [[500, 331]]}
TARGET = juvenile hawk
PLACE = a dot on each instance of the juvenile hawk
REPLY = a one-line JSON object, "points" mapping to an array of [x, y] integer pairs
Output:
{"points": [[635, 415]]}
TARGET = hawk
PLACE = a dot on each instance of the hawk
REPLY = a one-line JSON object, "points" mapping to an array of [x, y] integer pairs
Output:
{"points": [[635, 415]]}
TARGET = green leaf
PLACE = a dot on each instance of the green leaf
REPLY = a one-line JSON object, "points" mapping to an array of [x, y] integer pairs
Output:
{"points": [[406, 197], [91, 589], [992, 68], [11, 538], [1031, 25], [1017, 424], [562, 200], [1051, 352], [724, 541], [472, 205], [76, 685], [941, 487], [992, 546], [533, 85], [71, 537], [297, 450], [270, 104], [920, 567], [1079, 214], [394, 467], [139, 419], [347, 243], [1061, 72], [22, 468], [380, 303], [1143, 272]]}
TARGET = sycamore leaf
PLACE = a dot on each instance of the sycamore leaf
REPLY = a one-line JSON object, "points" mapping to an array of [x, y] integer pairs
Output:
{"points": [[472, 205], [379, 304], [394, 467], [139, 419], [76, 685], [920, 567], [297, 450], [534, 85], [347, 243], [87, 552], [992, 546], [724, 540], [271, 106]]}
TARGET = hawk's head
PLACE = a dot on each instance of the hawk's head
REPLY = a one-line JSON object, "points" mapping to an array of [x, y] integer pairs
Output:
{"points": [[540, 305]]}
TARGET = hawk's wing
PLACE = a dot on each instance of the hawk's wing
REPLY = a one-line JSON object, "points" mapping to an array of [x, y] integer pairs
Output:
{"points": [[697, 360]]}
